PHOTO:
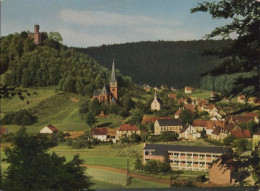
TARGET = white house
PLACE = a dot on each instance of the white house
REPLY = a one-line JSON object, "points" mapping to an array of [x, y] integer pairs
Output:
{"points": [[99, 133], [188, 89], [50, 129], [156, 104], [189, 132]]}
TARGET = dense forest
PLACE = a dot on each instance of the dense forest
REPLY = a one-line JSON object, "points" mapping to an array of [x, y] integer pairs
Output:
{"points": [[52, 64], [175, 64]]}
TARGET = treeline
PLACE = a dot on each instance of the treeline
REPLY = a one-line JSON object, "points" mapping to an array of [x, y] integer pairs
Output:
{"points": [[222, 83], [52, 64], [174, 64]]}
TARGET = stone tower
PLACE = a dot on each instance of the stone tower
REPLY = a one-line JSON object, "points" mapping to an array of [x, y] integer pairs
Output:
{"points": [[113, 83], [37, 35]]}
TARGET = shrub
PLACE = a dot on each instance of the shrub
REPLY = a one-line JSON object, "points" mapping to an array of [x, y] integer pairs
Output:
{"points": [[21, 117]]}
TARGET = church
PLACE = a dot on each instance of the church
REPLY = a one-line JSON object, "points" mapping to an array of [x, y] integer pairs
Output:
{"points": [[105, 95]]}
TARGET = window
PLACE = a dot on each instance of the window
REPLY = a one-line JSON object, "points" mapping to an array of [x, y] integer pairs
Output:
{"points": [[146, 152]]}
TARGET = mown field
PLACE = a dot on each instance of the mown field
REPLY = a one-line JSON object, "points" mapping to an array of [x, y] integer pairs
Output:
{"points": [[58, 109]]}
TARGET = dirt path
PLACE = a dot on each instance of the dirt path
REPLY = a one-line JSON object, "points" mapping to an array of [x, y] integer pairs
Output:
{"points": [[134, 175]]}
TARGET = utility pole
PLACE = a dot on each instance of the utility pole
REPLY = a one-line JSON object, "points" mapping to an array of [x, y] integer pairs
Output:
{"points": [[127, 173]]}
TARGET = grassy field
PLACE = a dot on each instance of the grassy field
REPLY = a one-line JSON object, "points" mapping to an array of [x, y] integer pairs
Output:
{"points": [[58, 109], [107, 179], [200, 94]]}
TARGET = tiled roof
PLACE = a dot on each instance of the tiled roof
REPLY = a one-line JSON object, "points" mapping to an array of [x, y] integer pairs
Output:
{"points": [[169, 122], [190, 107], [99, 131], [160, 149], [251, 114], [216, 131], [212, 124], [178, 112], [3, 130], [230, 126], [128, 127], [52, 128], [184, 128], [199, 123], [257, 133], [241, 133], [240, 119], [172, 96], [147, 119]]}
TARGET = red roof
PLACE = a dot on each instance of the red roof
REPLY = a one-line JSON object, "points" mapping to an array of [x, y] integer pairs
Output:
{"points": [[257, 133], [99, 131], [188, 88], [128, 127], [147, 119], [241, 133], [52, 128], [3, 130], [212, 124], [190, 107], [178, 112], [251, 114], [172, 96], [199, 123], [240, 119]]}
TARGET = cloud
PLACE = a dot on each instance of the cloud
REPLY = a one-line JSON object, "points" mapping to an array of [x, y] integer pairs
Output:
{"points": [[102, 18], [81, 39]]}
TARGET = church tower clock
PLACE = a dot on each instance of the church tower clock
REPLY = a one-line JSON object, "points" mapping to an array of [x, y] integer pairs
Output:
{"points": [[113, 83]]}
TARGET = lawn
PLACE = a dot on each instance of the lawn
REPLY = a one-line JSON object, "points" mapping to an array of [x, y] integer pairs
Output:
{"points": [[200, 94], [118, 180]]}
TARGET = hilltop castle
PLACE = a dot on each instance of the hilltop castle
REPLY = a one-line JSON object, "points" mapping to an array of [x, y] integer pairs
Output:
{"points": [[105, 95], [37, 36]]}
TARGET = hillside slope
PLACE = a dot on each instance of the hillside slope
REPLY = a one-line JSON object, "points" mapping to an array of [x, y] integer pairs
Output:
{"points": [[158, 63]]}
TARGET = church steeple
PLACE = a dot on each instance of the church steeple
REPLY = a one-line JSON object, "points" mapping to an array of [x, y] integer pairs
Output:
{"points": [[113, 83], [113, 75]]}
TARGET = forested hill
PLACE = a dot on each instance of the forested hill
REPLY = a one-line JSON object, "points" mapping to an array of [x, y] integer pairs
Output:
{"points": [[158, 63], [51, 64]]}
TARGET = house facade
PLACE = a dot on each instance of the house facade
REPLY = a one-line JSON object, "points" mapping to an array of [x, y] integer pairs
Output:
{"points": [[182, 157], [127, 130], [157, 104], [188, 132], [99, 133], [188, 90], [172, 125]]}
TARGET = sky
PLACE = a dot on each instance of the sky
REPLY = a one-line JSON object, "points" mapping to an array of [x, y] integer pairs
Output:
{"points": [[86, 23]]}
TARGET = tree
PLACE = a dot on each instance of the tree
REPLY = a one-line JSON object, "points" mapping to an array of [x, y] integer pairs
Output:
{"points": [[29, 156], [229, 140], [55, 36], [135, 138], [186, 116], [138, 164], [90, 119], [241, 145], [166, 136], [242, 57]]}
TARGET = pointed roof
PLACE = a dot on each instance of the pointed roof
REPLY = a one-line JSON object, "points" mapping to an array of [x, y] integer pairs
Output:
{"points": [[104, 91], [113, 75]]}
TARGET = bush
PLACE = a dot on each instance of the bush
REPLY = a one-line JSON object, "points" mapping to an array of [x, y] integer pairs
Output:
{"points": [[155, 167], [21, 117]]}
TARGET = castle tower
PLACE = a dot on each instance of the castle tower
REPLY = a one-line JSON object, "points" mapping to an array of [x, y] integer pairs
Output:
{"points": [[113, 82], [37, 35]]}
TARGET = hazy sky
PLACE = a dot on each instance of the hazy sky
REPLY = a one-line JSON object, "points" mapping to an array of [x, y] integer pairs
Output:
{"points": [[85, 23]]}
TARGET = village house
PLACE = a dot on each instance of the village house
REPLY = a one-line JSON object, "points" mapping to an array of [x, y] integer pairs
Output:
{"points": [[171, 125], [241, 133], [3, 130], [211, 125], [189, 132], [255, 115], [177, 114], [147, 119], [172, 96], [180, 157], [188, 90], [99, 133], [238, 119], [190, 107], [108, 96], [157, 103], [127, 130], [241, 99], [50, 129], [256, 140], [221, 174], [199, 125]]}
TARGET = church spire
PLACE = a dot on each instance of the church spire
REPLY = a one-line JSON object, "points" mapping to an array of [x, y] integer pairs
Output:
{"points": [[113, 75]]}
